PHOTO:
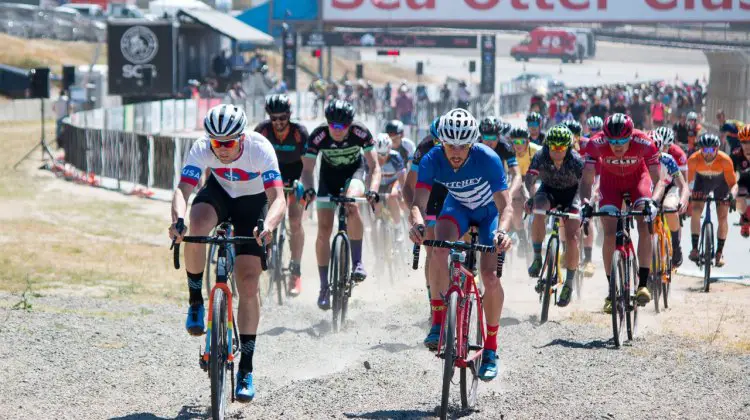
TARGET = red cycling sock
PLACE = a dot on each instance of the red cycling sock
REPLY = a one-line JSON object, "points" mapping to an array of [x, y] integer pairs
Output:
{"points": [[438, 311], [491, 342]]}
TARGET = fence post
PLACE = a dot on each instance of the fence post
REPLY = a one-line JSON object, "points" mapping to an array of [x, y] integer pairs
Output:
{"points": [[150, 162]]}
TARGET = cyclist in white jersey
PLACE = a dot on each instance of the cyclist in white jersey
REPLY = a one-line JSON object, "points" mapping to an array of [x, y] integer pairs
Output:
{"points": [[244, 185]]}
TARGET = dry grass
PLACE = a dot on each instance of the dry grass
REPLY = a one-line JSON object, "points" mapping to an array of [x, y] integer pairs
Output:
{"points": [[72, 240], [27, 53]]}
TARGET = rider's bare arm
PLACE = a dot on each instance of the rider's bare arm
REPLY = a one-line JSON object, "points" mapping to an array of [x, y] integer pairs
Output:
{"points": [[276, 207], [374, 169], [180, 200], [421, 196], [530, 181], [402, 180], [655, 172], [587, 181], [515, 180], [505, 209], [408, 187], [308, 169]]}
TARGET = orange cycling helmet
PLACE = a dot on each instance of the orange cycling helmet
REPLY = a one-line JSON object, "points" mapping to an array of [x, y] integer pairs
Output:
{"points": [[744, 134]]}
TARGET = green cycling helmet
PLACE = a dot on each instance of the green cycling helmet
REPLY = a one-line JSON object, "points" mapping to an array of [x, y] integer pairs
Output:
{"points": [[559, 135]]}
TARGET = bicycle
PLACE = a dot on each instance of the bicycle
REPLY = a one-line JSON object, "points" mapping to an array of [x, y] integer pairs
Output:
{"points": [[279, 273], [222, 334], [383, 236], [624, 272], [550, 279], [706, 249], [340, 279], [660, 278], [461, 345]]}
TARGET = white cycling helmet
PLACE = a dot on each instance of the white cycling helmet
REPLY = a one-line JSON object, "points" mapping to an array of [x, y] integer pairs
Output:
{"points": [[667, 136], [658, 138], [458, 127], [383, 144], [225, 121], [594, 123]]}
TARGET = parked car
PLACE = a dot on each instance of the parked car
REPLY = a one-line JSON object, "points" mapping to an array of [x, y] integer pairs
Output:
{"points": [[36, 22]]}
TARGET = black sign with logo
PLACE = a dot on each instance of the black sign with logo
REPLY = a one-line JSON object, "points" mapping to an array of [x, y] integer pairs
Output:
{"points": [[289, 51], [141, 58], [487, 84], [381, 40]]}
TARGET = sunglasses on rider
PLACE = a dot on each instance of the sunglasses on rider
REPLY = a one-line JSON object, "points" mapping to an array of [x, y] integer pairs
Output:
{"points": [[558, 147], [519, 141], [618, 142], [338, 126], [280, 118], [218, 144], [489, 137], [533, 125], [709, 150]]}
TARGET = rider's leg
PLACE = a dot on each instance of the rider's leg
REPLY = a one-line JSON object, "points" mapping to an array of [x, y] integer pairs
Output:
{"points": [[203, 218], [518, 203], [671, 202], [394, 206], [296, 231], [722, 211], [322, 246], [538, 230], [248, 270], [355, 228], [695, 227]]}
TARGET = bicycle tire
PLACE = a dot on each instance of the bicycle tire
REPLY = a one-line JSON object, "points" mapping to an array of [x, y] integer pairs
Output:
{"points": [[666, 284], [617, 272], [449, 352], [469, 390], [708, 254], [631, 313], [207, 282], [550, 256], [348, 280], [278, 270], [217, 357], [655, 275], [337, 279]]}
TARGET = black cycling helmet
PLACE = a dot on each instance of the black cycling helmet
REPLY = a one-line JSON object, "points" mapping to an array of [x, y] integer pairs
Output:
{"points": [[489, 126], [519, 132], [534, 117], [574, 126], [339, 112], [505, 129], [709, 140], [278, 104], [394, 127]]}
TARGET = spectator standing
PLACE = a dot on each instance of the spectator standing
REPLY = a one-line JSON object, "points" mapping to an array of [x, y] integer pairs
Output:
{"points": [[598, 109], [658, 112], [404, 105], [638, 111]]}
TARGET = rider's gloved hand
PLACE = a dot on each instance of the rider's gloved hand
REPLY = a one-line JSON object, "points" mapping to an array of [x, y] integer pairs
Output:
{"points": [[503, 242], [373, 197], [309, 195], [732, 202], [416, 233], [529, 205], [651, 209], [177, 230], [586, 211]]}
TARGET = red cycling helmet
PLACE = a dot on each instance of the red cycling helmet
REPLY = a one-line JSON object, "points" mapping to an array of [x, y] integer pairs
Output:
{"points": [[618, 126]]}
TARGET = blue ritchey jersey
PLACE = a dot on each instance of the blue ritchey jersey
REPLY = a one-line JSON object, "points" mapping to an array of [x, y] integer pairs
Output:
{"points": [[473, 184]]}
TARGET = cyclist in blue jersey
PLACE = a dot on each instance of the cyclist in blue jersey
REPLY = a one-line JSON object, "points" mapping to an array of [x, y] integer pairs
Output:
{"points": [[475, 179]]}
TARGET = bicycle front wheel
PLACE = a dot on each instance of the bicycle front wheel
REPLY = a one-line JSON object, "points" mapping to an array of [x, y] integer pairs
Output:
{"points": [[708, 254], [654, 281], [615, 296], [449, 352], [218, 354], [337, 279], [472, 339], [550, 263]]}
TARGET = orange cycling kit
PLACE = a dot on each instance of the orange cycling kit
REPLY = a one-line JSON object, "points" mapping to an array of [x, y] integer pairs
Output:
{"points": [[716, 176]]}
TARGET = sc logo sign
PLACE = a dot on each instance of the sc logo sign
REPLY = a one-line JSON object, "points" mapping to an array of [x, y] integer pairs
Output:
{"points": [[135, 71]]}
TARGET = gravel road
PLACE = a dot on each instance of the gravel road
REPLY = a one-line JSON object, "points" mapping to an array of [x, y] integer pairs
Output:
{"points": [[90, 358]]}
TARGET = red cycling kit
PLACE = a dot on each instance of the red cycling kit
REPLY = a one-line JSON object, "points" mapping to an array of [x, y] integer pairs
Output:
{"points": [[679, 156], [623, 174]]}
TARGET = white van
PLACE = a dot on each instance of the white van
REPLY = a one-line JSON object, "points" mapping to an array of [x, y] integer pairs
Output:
{"points": [[585, 37]]}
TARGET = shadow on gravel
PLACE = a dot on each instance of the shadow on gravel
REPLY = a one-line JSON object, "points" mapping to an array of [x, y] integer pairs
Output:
{"points": [[315, 331], [394, 347], [392, 414], [187, 412], [593, 344]]}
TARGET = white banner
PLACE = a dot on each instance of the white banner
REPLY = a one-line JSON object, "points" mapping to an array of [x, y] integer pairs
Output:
{"points": [[179, 115], [167, 116], [493, 11]]}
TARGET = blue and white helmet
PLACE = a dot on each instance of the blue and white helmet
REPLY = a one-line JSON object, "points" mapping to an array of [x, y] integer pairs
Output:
{"points": [[225, 120], [458, 127], [383, 144]]}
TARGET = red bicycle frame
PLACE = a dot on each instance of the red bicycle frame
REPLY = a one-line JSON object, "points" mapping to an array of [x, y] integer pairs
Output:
{"points": [[464, 291]]}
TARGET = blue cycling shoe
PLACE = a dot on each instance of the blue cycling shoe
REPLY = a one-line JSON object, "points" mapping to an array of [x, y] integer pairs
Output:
{"points": [[433, 338], [194, 323], [488, 369], [245, 390]]}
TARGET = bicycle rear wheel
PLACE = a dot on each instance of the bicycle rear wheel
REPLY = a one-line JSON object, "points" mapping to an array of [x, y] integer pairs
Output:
{"points": [[218, 355], [631, 306], [549, 270], [708, 254], [654, 281], [473, 342], [618, 308], [337, 279], [449, 352]]}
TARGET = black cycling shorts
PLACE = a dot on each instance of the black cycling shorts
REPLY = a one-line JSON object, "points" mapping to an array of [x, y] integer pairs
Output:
{"points": [[290, 172], [565, 199], [333, 180], [243, 212], [438, 194]]}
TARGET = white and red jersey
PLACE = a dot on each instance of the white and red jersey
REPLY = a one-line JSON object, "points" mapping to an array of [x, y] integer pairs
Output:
{"points": [[679, 156], [641, 154], [255, 169]]}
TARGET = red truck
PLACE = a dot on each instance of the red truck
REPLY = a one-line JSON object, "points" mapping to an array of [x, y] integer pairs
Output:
{"points": [[549, 43]]}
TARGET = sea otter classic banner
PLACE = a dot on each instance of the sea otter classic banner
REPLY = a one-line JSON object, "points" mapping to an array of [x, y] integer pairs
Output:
{"points": [[493, 11]]}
